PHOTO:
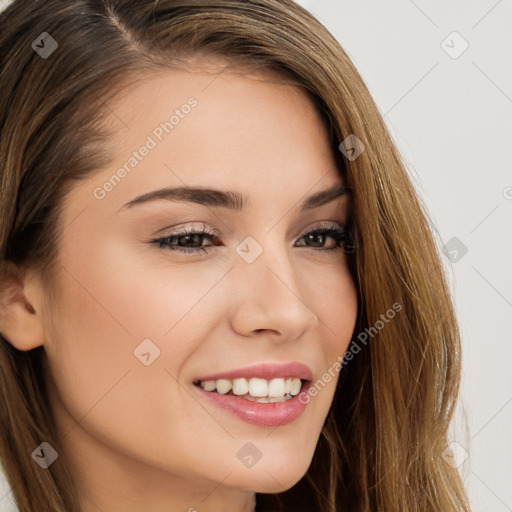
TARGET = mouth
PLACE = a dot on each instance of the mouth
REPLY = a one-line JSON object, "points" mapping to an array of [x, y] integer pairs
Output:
{"points": [[255, 389], [264, 395]]}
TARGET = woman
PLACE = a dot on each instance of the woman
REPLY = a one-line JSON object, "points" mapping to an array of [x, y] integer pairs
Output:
{"points": [[306, 357]]}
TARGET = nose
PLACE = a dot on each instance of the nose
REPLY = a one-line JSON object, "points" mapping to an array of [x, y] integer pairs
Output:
{"points": [[270, 297]]}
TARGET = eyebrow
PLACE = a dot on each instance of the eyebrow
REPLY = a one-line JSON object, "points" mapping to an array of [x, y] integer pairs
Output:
{"points": [[228, 199]]}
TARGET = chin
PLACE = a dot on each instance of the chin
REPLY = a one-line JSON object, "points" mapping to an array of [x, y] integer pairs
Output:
{"points": [[271, 479]]}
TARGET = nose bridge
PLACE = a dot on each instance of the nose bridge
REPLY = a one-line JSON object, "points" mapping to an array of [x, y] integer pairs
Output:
{"points": [[272, 297]]}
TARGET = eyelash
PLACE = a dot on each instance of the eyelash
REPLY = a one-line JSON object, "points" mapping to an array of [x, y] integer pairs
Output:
{"points": [[337, 232]]}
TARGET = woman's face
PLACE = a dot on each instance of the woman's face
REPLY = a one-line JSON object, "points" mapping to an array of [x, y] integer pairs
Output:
{"points": [[137, 323]]}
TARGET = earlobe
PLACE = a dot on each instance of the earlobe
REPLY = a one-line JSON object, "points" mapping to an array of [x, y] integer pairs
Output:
{"points": [[20, 320]]}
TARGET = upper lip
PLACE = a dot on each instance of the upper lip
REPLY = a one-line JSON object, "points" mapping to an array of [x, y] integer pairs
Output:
{"points": [[264, 371]]}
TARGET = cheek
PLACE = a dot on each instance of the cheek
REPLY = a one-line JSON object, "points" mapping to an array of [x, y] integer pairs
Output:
{"points": [[123, 294], [334, 300], [101, 383], [333, 297], [111, 300]]}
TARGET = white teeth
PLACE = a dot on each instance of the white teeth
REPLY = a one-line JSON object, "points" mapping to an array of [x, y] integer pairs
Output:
{"points": [[276, 388], [208, 385], [260, 390], [267, 399], [258, 387], [296, 384], [240, 386], [223, 386], [277, 399]]}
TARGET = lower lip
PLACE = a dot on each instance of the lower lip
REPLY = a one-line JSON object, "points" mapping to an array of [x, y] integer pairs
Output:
{"points": [[272, 414]]}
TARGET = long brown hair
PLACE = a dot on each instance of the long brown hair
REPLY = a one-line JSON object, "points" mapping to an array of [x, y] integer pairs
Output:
{"points": [[381, 444]]}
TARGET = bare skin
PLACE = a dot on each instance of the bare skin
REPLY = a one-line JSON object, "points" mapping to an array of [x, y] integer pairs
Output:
{"points": [[138, 437]]}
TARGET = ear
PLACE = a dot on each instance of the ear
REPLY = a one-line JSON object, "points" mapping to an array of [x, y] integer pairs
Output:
{"points": [[20, 308]]}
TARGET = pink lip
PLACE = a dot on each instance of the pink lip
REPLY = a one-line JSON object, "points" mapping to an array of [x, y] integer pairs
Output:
{"points": [[265, 371], [263, 414]]}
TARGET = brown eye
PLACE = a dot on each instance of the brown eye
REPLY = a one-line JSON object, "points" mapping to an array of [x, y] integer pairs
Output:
{"points": [[319, 236], [181, 241]]}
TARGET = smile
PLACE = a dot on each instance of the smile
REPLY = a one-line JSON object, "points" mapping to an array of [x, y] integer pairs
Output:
{"points": [[255, 389], [264, 395]]}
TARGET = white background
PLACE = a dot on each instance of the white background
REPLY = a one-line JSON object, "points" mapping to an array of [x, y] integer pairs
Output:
{"points": [[452, 120]]}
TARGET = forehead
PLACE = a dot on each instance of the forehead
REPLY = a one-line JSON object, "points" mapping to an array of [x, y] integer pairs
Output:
{"points": [[234, 101]]}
